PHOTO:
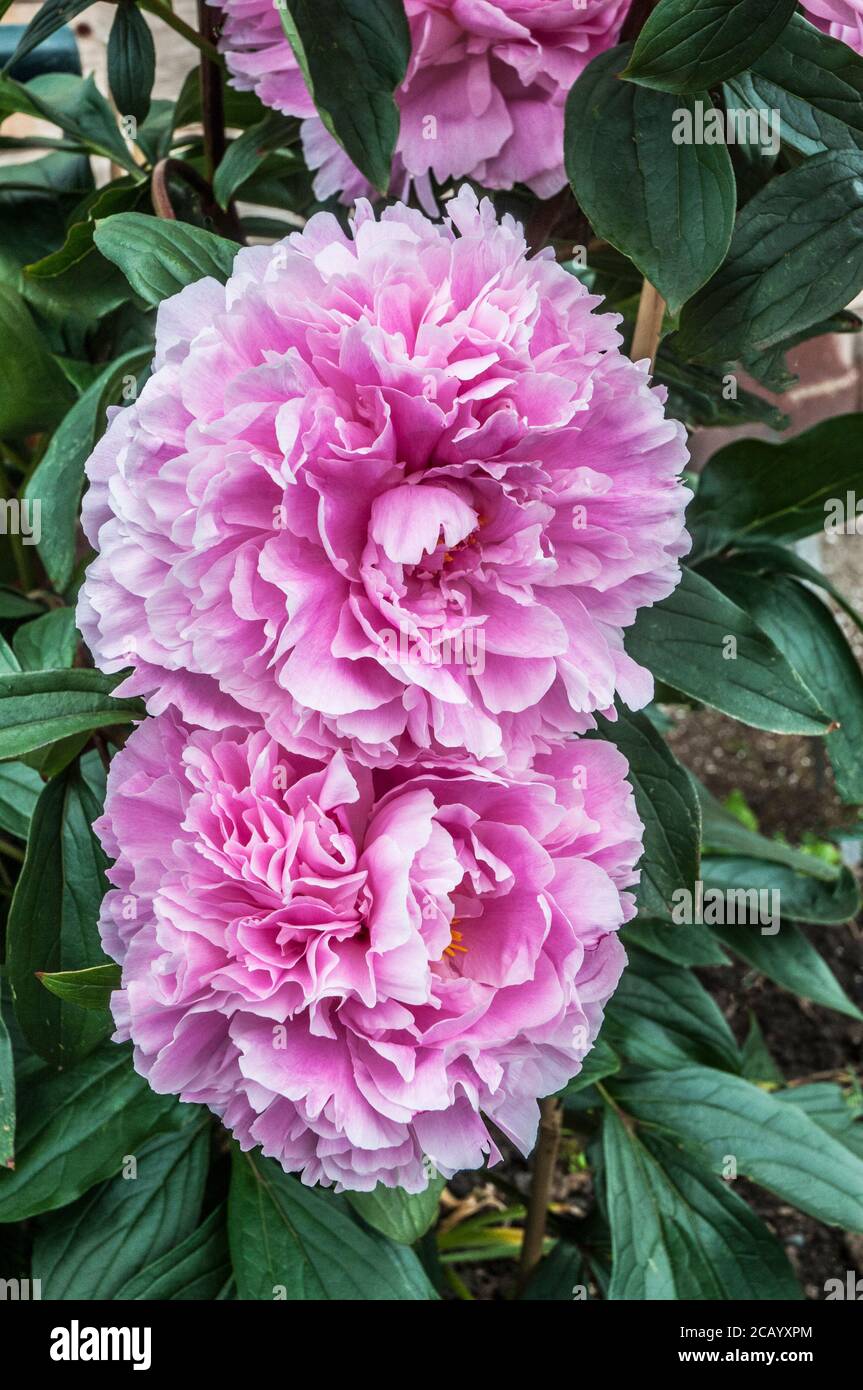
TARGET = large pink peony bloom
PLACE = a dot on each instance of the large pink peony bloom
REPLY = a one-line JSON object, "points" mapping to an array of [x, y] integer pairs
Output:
{"points": [[841, 18], [352, 968], [393, 493], [483, 95]]}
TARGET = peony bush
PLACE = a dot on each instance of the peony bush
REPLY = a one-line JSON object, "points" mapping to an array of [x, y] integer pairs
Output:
{"points": [[363, 582], [372, 540]]}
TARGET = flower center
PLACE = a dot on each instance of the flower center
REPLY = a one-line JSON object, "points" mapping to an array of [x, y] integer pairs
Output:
{"points": [[455, 939]]}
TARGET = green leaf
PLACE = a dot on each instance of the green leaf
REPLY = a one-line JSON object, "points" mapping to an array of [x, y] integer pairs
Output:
{"points": [[724, 833], [758, 1064], [131, 61], [53, 920], [833, 1109], [123, 195], [769, 559], [661, 1016], [8, 660], [75, 1128], [154, 134], [245, 154], [683, 641], [198, 1268], [601, 1061], [691, 45], [34, 393], [55, 758], [77, 106], [697, 396], [738, 499], [806, 632], [796, 256], [816, 85], [668, 808], [90, 1249], [353, 55], [7, 1098], [48, 19], [557, 1275], [19, 791], [48, 643], [242, 109], [159, 258], [76, 299], [681, 944], [803, 898], [669, 207], [58, 478], [679, 1233], [717, 1115], [14, 605], [40, 707], [35, 204], [89, 989], [399, 1215], [790, 959], [292, 1242]]}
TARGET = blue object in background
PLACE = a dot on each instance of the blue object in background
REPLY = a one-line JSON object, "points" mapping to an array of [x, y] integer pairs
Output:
{"points": [[57, 53]]}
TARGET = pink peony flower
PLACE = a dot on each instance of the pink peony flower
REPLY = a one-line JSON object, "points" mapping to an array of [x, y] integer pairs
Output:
{"points": [[396, 493], [841, 18], [356, 969], [483, 95]]}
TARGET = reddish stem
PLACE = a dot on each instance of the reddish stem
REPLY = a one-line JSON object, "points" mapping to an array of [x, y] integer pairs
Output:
{"points": [[212, 93]]}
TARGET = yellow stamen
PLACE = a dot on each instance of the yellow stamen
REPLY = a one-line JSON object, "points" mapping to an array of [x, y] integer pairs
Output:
{"points": [[453, 946]]}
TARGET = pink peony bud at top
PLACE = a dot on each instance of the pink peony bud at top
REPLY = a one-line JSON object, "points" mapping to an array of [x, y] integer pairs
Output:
{"points": [[396, 492], [843, 19], [356, 969], [483, 95]]}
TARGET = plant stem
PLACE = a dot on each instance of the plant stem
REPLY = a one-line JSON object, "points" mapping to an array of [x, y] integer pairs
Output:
{"points": [[11, 851], [648, 325], [212, 96], [161, 10], [544, 1161]]}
